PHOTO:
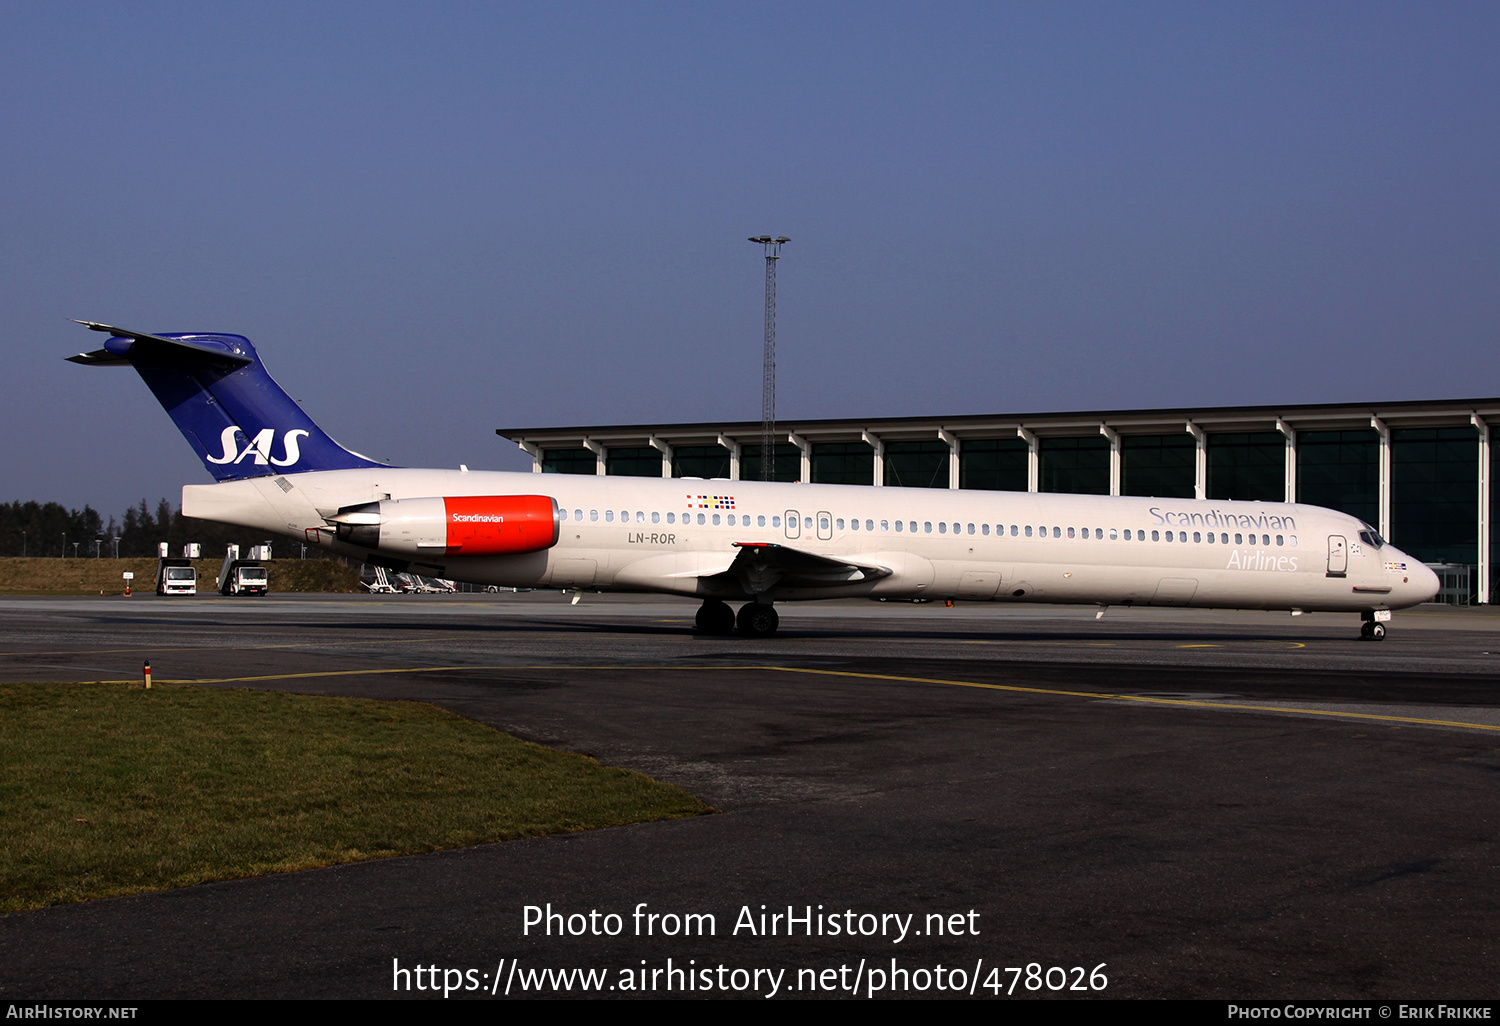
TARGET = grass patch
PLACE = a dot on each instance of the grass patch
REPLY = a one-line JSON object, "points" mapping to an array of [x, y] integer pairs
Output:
{"points": [[109, 789], [102, 576]]}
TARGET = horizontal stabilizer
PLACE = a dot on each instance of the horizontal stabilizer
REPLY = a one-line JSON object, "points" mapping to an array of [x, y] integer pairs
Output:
{"points": [[162, 349], [99, 358]]}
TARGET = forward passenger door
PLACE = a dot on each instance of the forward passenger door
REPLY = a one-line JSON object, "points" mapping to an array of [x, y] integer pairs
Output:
{"points": [[1338, 555]]}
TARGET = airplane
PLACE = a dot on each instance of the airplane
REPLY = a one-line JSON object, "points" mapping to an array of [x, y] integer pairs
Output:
{"points": [[750, 542]]}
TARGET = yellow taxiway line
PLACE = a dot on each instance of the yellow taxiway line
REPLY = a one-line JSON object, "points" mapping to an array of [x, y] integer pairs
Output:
{"points": [[1097, 696]]}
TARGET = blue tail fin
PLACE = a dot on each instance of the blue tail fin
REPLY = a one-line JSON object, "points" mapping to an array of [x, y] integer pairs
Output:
{"points": [[239, 422]]}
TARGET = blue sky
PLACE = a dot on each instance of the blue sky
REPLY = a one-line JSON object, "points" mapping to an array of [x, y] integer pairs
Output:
{"points": [[434, 221]]}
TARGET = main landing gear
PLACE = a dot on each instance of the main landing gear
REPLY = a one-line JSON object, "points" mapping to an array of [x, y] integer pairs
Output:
{"points": [[755, 619], [714, 617]]}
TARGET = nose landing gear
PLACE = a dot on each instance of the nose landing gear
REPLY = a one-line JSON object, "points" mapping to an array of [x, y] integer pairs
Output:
{"points": [[1373, 628]]}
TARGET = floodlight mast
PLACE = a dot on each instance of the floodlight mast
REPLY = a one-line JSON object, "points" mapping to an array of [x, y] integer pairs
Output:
{"points": [[768, 370]]}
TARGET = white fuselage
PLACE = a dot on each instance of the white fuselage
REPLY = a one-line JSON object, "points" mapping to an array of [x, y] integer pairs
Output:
{"points": [[679, 535]]}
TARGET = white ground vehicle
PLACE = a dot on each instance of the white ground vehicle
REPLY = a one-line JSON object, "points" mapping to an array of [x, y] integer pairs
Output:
{"points": [[176, 577]]}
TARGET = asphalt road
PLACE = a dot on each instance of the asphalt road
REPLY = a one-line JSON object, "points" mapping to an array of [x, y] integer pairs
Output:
{"points": [[1230, 805]]}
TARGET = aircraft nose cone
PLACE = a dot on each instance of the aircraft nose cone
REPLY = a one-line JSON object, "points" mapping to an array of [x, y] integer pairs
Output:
{"points": [[1424, 584]]}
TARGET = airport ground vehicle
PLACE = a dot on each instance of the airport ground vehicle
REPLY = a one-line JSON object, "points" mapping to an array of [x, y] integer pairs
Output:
{"points": [[176, 577], [246, 579], [244, 576], [753, 543]]}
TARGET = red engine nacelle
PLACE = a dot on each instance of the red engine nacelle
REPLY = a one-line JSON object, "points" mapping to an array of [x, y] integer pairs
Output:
{"points": [[463, 525], [497, 525]]}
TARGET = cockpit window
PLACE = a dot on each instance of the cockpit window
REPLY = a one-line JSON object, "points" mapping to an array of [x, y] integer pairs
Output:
{"points": [[1372, 538]]}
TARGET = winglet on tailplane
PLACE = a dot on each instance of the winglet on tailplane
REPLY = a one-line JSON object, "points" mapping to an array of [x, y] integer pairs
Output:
{"points": [[239, 421]]}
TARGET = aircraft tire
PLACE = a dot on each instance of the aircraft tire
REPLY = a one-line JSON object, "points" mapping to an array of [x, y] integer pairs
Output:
{"points": [[714, 617], [758, 620]]}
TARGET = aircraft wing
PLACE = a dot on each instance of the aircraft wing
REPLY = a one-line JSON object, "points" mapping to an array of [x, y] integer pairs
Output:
{"points": [[764, 564]]}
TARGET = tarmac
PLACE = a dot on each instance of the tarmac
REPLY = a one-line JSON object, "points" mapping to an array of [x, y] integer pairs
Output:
{"points": [[980, 801]]}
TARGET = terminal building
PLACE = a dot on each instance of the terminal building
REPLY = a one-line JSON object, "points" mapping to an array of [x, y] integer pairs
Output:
{"points": [[1420, 472]]}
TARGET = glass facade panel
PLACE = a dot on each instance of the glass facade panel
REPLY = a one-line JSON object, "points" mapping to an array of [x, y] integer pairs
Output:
{"points": [[1160, 465], [916, 464], [788, 465], [1340, 470], [568, 461], [1247, 466], [996, 464], [843, 463], [700, 461], [1079, 465], [1435, 493], [637, 461]]}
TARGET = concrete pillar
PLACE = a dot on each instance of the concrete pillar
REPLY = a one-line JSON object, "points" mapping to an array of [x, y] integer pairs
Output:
{"points": [[1484, 506], [734, 456], [1200, 461], [1033, 460], [1385, 476], [666, 454], [600, 467], [536, 456], [1115, 466], [805, 474], [878, 447], [952, 456], [1290, 434]]}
